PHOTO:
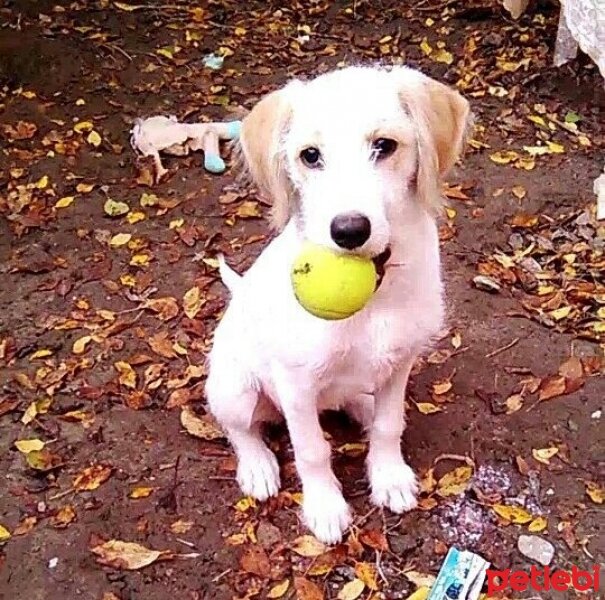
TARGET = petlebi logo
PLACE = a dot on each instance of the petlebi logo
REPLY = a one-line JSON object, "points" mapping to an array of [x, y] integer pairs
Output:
{"points": [[543, 580]]}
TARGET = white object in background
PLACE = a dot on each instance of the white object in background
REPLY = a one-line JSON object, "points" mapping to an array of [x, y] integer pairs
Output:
{"points": [[599, 190], [515, 7]]}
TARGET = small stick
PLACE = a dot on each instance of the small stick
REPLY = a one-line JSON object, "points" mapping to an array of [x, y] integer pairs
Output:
{"points": [[503, 349]]}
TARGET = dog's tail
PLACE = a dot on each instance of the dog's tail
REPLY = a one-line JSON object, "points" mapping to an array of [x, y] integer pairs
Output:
{"points": [[231, 279]]}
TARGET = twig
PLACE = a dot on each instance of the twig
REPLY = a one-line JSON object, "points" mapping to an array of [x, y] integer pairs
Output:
{"points": [[61, 495], [469, 461], [503, 349]]}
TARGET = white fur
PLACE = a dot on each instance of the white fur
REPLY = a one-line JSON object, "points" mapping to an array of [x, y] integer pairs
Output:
{"points": [[269, 353]]}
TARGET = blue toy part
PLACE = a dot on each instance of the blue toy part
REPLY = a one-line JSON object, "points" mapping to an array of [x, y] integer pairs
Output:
{"points": [[234, 128], [214, 163]]}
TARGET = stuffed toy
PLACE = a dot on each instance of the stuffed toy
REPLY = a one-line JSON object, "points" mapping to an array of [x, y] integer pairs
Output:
{"points": [[165, 134]]}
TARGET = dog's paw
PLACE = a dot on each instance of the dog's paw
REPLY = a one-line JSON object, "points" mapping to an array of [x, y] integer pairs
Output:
{"points": [[394, 486], [326, 514], [258, 474]]}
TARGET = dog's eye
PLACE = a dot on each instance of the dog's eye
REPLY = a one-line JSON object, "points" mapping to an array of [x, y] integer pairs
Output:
{"points": [[311, 157], [383, 147]]}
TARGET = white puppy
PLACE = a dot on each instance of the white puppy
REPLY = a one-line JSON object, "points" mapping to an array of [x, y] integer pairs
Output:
{"points": [[352, 160]]}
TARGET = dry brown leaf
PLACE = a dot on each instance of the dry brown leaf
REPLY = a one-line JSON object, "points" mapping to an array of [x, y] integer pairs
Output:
{"points": [[572, 368], [204, 427], [161, 344], [63, 517], [308, 546], [595, 492], [91, 478], [126, 555], [551, 387], [374, 538], [166, 308], [255, 561], [514, 403], [181, 526], [25, 526], [307, 590]]}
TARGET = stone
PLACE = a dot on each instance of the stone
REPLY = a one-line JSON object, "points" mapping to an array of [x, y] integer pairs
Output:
{"points": [[536, 548]]}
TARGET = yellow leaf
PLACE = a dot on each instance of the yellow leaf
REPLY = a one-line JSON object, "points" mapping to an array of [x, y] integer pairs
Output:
{"points": [[140, 260], [135, 217], [43, 353], [428, 408], [94, 139], [125, 555], [514, 403], [85, 188], [442, 387], [544, 455], [4, 533], [352, 448], [192, 302], [128, 280], [351, 590], [525, 163], [536, 150], [120, 239], [64, 202], [114, 208], [27, 446], [595, 492], [204, 427], [308, 546], [244, 504], [454, 482], [367, 573], [91, 478], [248, 210], [503, 157], [422, 593], [537, 120], [560, 313], [537, 525], [165, 52], [127, 375], [141, 492], [79, 346], [443, 56], [176, 223], [555, 148], [518, 191], [83, 126], [425, 47], [514, 514], [30, 414], [277, 591], [148, 200], [181, 526], [63, 517], [128, 7], [450, 212], [42, 182]]}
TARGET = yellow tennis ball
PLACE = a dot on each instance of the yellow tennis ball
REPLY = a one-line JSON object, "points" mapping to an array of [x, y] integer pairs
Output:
{"points": [[330, 285]]}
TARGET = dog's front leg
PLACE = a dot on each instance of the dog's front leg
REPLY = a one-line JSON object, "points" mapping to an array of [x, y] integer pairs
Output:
{"points": [[393, 482], [324, 509]]}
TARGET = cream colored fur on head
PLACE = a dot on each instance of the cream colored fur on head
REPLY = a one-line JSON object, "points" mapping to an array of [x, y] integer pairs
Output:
{"points": [[352, 160]]}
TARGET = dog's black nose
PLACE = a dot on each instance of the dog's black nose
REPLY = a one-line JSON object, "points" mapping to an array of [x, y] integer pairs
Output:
{"points": [[350, 230]]}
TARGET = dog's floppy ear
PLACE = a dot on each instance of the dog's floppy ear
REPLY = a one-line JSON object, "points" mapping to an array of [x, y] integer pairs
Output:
{"points": [[262, 144], [442, 118]]}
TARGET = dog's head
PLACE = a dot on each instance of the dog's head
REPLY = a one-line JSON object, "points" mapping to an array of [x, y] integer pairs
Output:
{"points": [[348, 153]]}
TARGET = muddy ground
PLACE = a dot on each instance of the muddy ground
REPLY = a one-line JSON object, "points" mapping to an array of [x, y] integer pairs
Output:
{"points": [[99, 360]]}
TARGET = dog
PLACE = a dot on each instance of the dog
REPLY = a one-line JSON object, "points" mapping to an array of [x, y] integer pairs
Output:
{"points": [[351, 160]]}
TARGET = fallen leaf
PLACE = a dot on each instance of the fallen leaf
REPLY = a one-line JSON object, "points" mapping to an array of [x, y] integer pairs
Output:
{"points": [[91, 478], [279, 590], [595, 492], [255, 561], [351, 590], [25, 526], [503, 157], [442, 387], [79, 346], [43, 460], [454, 482], [27, 446], [64, 202], [519, 191], [192, 302], [428, 408], [63, 517], [4, 533], [422, 593], [166, 308], [513, 514], [308, 546], [537, 525], [181, 526], [374, 538], [366, 572], [94, 139], [204, 427], [126, 374], [551, 387], [83, 126], [125, 555], [572, 368], [140, 492], [244, 504], [307, 590], [514, 403], [120, 239], [544, 455], [161, 344], [248, 210], [524, 221], [114, 208]]}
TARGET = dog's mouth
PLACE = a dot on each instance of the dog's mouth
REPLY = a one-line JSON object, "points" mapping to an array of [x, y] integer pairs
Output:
{"points": [[380, 262]]}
